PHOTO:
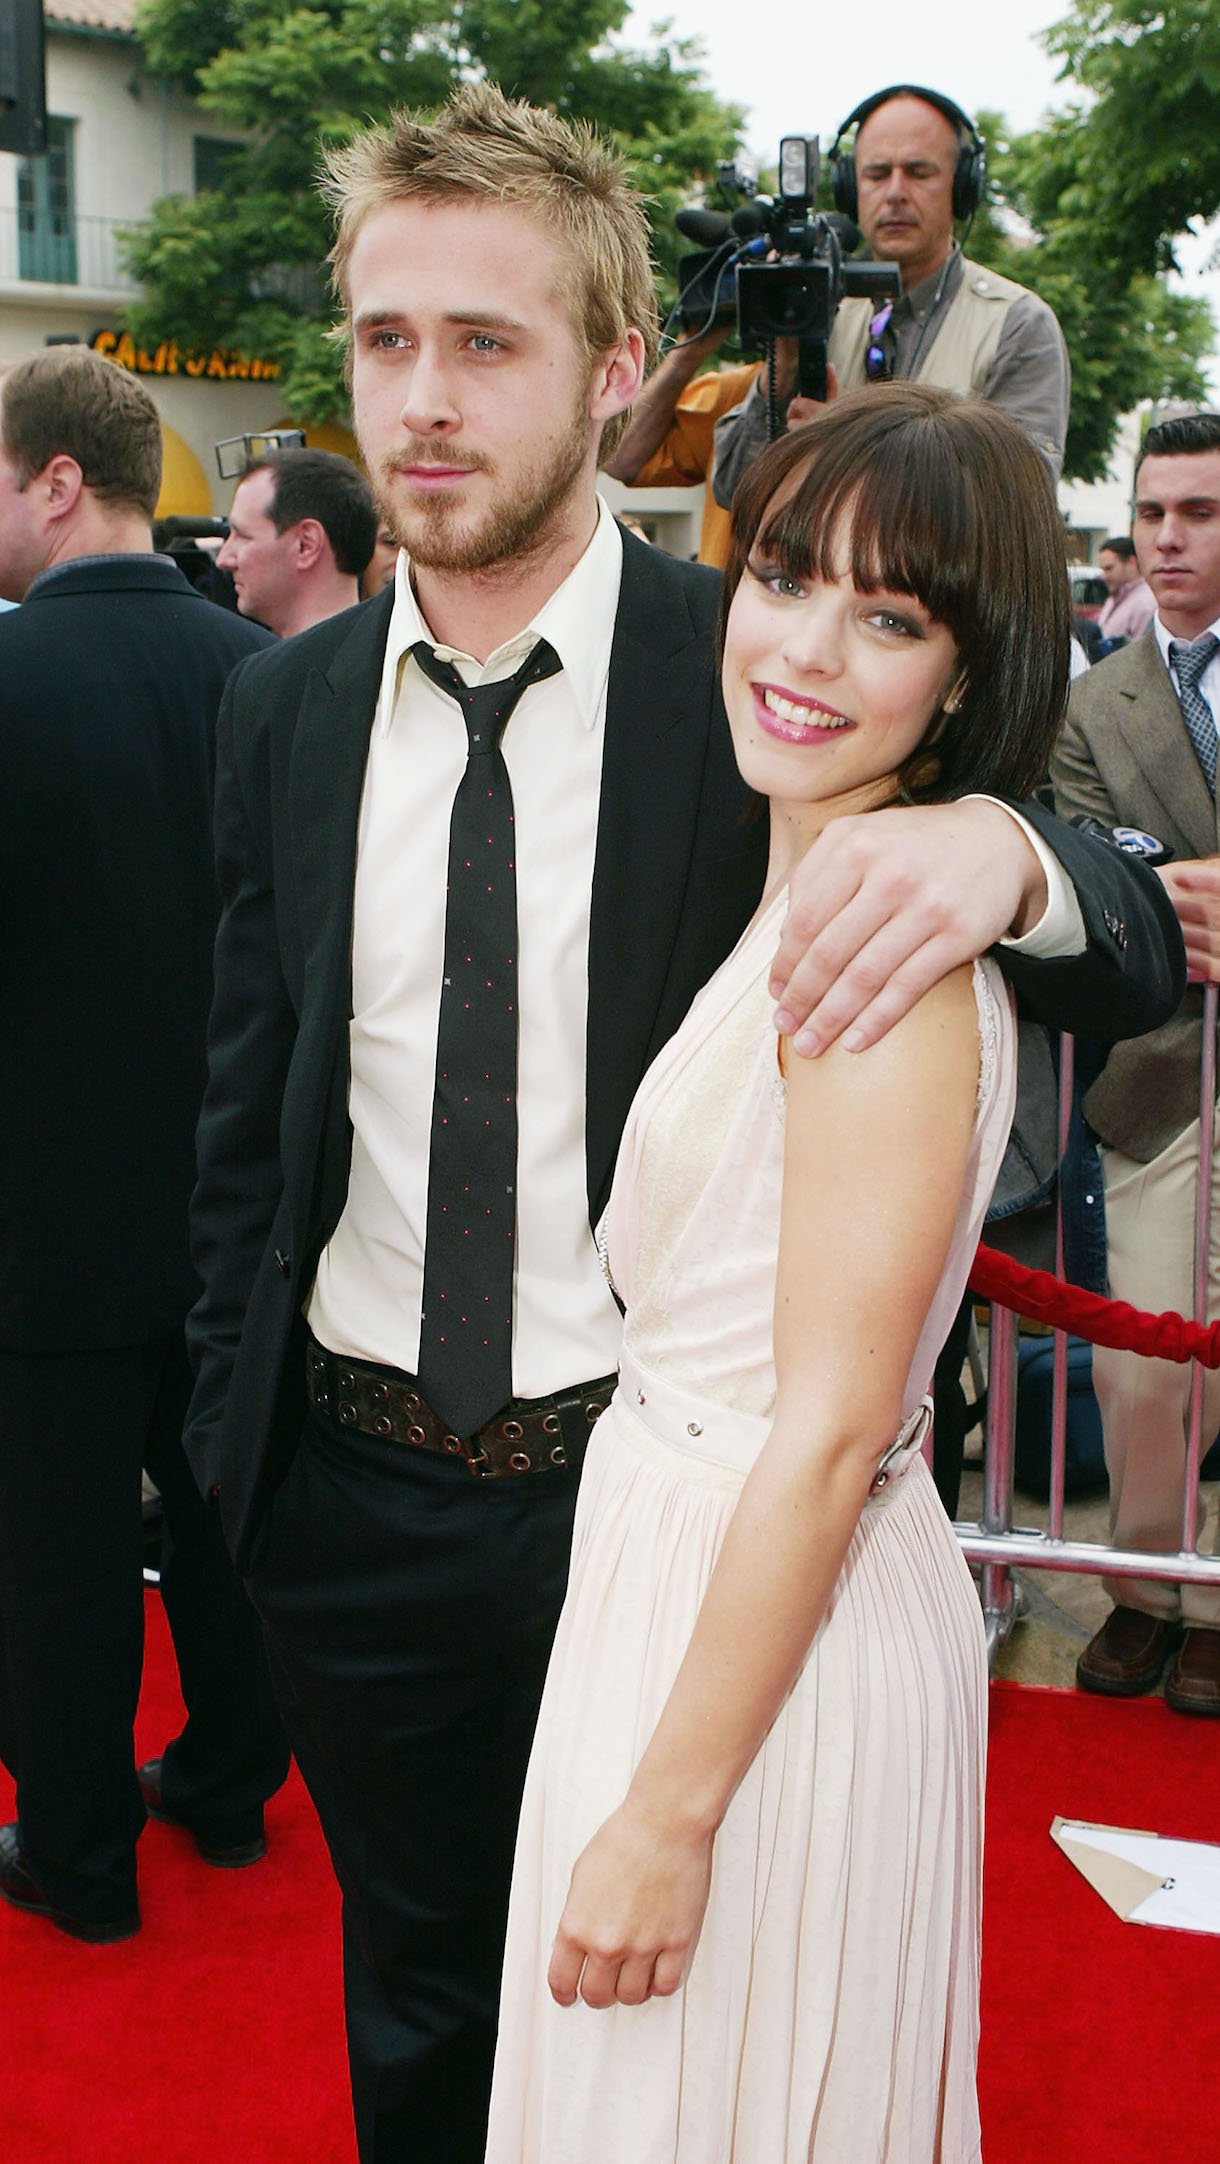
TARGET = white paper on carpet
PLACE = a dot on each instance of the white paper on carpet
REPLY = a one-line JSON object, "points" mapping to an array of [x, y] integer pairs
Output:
{"points": [[1146, 1878]]}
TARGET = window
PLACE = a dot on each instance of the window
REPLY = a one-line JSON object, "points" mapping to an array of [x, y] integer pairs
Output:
{"points": [[46, 210]]}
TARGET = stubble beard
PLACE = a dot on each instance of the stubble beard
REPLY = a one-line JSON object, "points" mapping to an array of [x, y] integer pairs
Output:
{"points": [[435, 532]]}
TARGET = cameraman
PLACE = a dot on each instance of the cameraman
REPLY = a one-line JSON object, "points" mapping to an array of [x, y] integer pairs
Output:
{"points": [[917, 163]]}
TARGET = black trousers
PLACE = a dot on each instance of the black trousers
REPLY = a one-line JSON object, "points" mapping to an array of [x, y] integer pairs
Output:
{"points": [[75, 1430], [410, 1611]]}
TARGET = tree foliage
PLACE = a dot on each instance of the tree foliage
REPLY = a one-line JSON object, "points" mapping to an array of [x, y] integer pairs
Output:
{"points": [[1143, 149], [1102, 192], [245, 266], [1129, 337]]}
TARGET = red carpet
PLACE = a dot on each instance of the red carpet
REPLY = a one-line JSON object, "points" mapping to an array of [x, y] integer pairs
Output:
{"points": [[216, 2034], [1100, 2039], [213, 2037]]}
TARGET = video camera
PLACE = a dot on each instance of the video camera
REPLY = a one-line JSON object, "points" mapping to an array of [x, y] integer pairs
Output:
{"points": [[234, 453], [777, 266]]}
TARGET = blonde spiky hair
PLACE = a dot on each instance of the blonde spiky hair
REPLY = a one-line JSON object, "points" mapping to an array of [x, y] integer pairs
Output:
{"points": [[484, 147]]}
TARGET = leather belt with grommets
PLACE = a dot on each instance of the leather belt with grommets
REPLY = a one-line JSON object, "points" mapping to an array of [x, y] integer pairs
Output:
{"points": [[531, 1435]]}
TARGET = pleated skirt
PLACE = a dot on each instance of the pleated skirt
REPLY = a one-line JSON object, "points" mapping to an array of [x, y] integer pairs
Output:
{"points": [[830, 2011]]}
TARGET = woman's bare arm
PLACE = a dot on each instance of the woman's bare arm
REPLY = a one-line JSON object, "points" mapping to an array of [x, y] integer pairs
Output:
{"points": [[875, 1153]]}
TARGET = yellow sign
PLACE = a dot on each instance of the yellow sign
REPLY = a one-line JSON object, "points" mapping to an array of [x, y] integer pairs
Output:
{"points": [[171, 359]]}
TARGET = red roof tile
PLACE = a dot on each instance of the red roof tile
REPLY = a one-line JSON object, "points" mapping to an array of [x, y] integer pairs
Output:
{"points": [[112, 15]]}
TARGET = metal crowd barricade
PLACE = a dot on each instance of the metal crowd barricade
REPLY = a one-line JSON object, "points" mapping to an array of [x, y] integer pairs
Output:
{"points": [[995, 1542]]}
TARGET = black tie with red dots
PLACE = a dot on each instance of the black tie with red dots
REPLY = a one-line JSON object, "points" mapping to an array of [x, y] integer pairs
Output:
{"points": [[466, 1328]]}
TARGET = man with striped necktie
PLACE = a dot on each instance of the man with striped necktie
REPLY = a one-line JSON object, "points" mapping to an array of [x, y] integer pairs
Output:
{"points": [[1139, 747]]}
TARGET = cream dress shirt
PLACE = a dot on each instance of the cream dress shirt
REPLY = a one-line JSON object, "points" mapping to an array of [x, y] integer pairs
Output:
{"points": [[366, 1296]]}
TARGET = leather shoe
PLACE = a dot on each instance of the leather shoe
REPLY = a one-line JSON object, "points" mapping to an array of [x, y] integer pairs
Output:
{"points": [[226, 1855], [1127, 1655], [1194, 1679], [19, 1886]]}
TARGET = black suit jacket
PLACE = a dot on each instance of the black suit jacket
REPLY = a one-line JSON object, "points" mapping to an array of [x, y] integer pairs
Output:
{"points": [[678, 872], [110, 680]]}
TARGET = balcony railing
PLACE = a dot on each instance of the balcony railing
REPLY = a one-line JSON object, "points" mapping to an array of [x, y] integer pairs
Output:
{"points": [[59, 251]]}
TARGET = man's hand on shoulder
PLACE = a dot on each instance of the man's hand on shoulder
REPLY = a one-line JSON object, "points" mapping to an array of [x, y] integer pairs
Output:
{"points": [[1194, 889], [885, 904]]}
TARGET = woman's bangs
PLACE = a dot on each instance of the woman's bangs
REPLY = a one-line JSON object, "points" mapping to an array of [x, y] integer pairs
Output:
{"points": [[904, 523]]}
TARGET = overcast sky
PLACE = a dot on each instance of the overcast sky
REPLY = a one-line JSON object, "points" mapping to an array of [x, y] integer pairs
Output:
{"points": [[800, 69]]}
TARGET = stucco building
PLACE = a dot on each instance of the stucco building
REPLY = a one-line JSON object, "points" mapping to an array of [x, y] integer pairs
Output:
{"points": [[118, 139]]}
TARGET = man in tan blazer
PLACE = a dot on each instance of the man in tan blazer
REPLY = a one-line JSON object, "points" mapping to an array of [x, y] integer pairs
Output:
{"points": [[1139, 749]]}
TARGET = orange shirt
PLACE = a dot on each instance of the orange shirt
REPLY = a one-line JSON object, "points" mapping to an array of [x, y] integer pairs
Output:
{"points": [[685, 457]]}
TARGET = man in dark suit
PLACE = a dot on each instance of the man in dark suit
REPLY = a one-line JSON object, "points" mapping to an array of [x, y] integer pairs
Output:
{"points": [[1139, 747], [110, 677], [397, 1373]]}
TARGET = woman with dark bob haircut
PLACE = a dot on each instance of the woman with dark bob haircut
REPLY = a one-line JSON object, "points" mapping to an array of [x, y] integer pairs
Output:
{"points": [[942, 497], [745, 1912]]}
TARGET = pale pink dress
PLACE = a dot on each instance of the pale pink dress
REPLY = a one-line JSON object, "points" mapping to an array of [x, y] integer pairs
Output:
{"points": [[830, 2013]]}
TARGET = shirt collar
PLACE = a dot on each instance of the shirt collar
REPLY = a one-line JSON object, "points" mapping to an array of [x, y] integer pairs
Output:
{"points": [[578, 619], [939, 285], [1163, 637]]}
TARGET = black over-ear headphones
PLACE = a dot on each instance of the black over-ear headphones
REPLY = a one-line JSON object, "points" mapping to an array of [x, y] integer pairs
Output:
{"points": [[969, 174]]}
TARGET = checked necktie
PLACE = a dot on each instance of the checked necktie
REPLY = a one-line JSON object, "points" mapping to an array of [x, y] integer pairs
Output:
{"points": [[1189, 660], [466, 1329]]}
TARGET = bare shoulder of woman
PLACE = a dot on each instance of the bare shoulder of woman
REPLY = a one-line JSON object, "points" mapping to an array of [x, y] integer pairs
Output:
{"points": [[938, 1040], [875, 1155]]}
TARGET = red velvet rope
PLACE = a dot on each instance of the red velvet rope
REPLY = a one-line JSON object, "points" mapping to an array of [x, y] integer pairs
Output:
{"points": [[1045, 1298]]}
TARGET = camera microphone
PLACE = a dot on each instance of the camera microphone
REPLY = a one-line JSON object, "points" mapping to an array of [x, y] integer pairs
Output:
{"points": [[755, 218], [708, 228]]}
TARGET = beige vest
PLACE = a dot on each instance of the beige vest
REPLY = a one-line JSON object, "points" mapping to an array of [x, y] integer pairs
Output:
{"points": [[963, 349]]}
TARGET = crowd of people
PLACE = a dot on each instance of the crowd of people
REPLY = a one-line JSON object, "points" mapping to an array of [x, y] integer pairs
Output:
{"points": [[567, 934]]}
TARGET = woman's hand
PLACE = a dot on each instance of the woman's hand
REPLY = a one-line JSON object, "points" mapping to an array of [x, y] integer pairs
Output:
{"points": [[633, 1912]]}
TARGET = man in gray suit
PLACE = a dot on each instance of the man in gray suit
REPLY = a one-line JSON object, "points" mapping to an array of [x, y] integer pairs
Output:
{"points": [[1139, 748]]}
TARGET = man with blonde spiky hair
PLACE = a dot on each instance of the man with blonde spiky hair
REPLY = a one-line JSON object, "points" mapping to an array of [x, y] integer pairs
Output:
{"points": [[479, 845], [484, 149]]}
